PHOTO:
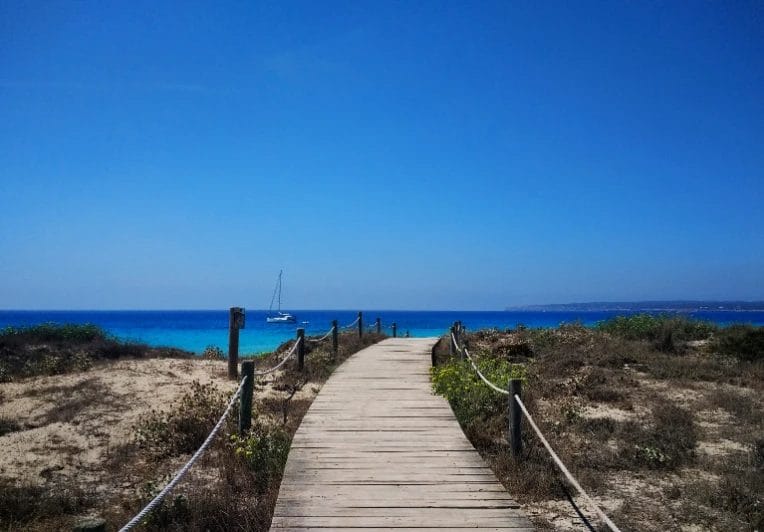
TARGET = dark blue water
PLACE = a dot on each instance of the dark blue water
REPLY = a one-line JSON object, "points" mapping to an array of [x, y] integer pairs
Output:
{"points": [[194, 330]]}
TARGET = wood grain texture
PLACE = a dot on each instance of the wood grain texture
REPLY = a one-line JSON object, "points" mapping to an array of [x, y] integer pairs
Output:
{"points": [[377, 450]]}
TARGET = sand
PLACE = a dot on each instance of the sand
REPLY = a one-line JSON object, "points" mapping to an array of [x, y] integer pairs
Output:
{"points": [[69, 424]]}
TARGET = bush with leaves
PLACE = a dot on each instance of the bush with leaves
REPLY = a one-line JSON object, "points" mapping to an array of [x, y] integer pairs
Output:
{"points": [[264, 448], [471, 399], [744, 342], [185, 426], [668, 444], [663, 329], [53, 332]]}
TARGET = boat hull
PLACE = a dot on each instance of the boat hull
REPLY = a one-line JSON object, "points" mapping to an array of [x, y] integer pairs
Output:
{"points": [[281, 319]]}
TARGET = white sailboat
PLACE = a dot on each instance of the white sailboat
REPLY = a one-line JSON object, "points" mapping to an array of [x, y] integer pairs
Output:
{"points": [[280, 317]]}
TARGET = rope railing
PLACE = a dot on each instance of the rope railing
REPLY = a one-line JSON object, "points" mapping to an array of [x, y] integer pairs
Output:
{"points": [[349, 325], [156, 501], [324, 337], [474, 366], [236, 322], [564, 469], [283, 360], [556, 459]]}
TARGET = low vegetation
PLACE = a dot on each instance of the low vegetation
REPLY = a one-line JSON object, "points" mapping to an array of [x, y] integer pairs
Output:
{"points": [[233, 487], [661, 418], [184, 427], [53, 349]]}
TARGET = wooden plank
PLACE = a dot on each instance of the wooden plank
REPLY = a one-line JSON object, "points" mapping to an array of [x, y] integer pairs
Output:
{"points": [[377, 450]]}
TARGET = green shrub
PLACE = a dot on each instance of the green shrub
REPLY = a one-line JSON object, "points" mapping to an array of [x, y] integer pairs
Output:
{"points": [[264, 449], [668, 444], [662, 329], [185, 426], [471, 399], [51, 349], [744, 342], [53, 332]]}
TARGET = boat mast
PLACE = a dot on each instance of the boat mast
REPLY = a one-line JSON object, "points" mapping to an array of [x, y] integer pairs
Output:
{"points": [[277, 288], [280, 272]]}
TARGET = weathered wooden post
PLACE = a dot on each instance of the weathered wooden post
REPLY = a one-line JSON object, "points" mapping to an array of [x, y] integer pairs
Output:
{"points": [[360, 325], [245, 408], [458, 335], [379, 326], [300, 349], [451, 343], [235, 322], [515, 417], [335, 339], [395, 330]]}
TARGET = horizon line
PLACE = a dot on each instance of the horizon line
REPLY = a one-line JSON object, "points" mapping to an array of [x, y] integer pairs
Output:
{"points": [[504, 309]]}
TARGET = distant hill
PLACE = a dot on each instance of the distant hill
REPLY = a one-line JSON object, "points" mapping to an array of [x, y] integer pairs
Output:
{"points": [[646, 306]]}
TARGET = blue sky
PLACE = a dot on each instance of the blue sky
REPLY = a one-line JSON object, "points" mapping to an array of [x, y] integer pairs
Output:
{"points": [[406, 155]]}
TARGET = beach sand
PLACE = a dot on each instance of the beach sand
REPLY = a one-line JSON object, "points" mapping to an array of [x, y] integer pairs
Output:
{"points": [[69, 424]]}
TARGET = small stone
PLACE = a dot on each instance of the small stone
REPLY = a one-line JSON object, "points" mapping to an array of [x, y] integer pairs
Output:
{"points": [[91, 524]]}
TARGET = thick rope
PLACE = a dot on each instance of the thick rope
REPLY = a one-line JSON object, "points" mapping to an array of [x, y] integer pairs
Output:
{"points": [[181, 473], [474, 366], [564, 469], [485, 380], [349, 325], [283, 360], [456, 344], [324, 337]]}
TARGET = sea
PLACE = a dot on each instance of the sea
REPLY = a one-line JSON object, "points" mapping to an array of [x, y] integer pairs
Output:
{"points": [[193, 330]]}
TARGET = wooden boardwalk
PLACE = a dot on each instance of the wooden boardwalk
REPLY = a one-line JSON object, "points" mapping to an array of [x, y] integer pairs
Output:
{"points": [[377, 450]]}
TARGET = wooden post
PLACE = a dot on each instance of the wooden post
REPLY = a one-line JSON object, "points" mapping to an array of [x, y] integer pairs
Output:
{"points": [[301, 349], [395, 330], [235, 322], [360, 325], [451, 346], [335, 339], [515, 417], [245, 408], [379, 326]]}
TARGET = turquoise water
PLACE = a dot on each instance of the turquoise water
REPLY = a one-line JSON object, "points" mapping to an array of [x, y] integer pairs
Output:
{"points": [[194, 330]]}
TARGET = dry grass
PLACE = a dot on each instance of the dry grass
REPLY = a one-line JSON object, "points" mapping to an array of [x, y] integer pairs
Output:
{"points": [[663, 438]]}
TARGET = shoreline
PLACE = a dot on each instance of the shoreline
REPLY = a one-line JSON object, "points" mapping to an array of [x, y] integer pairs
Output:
{"points": [[195, 330]]}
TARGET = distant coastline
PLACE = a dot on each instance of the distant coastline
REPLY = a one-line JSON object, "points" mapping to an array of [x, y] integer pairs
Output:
{"points": [[645, 306]]}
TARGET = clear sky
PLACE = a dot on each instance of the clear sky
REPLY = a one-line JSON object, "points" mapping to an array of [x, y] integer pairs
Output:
{"points": [[404, 155]]}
